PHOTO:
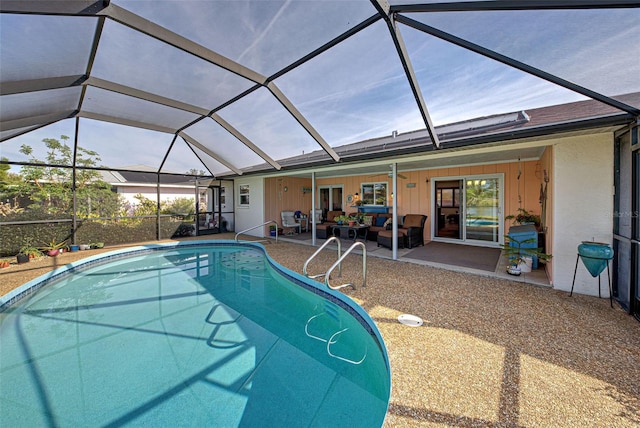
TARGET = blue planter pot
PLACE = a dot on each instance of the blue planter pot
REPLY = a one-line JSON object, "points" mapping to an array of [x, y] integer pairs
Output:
{"points": [[595, 256]]}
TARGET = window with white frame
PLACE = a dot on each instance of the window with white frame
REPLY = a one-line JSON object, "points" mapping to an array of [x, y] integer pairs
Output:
{"points": [[244, 195], [374, 193]]}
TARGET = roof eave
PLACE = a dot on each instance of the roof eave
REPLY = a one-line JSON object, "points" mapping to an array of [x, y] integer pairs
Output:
{"points": [[457, 141]]}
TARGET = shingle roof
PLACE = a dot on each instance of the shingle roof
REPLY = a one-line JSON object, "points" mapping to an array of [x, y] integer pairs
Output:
{"points": [[489, 129]]}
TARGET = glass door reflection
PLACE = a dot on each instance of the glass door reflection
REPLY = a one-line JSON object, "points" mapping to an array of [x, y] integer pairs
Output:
{"points": [[482, 209]]}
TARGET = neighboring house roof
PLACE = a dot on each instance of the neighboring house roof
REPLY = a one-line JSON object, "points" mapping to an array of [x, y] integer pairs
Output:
{"points": [[497, 128], [133, 178]]}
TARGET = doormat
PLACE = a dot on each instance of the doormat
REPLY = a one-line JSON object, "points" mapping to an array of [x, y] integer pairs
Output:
{"points": [[481, 258]]}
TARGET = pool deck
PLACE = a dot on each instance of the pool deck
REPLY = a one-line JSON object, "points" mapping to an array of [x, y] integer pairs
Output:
{"points": [[535, 277], [492, 351]]}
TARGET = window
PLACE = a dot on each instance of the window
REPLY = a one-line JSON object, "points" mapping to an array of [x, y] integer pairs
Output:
{"points": [[449, 197], [374, 193], [244, 194]]}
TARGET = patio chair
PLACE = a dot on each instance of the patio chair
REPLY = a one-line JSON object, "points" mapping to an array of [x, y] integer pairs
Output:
{"points": [[289, 221], [317, 215]]}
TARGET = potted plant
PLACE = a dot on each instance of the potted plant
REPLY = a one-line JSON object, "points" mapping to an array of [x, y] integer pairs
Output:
{"points": [[520, 257], [22, 258], [54, 247], [27, 252], [272, 230], [4, 263], [524, 217], [341, 219], [96, 245]]}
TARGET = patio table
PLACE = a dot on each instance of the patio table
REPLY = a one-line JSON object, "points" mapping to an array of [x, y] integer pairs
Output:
{"points": [[359, 231]]}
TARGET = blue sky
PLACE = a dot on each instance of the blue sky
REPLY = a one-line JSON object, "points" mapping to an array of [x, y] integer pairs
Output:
{"points": [[356, 90]]}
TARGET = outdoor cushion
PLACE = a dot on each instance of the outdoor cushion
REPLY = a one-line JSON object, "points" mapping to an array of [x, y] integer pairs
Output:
{"points": [[388, 222], [367, 220], [333, 214], [380, 221], [412, 220]]}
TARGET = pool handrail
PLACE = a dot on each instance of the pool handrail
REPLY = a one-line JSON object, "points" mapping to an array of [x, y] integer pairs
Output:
{"points": [[255, 227], [346, 253], [304, 267]]}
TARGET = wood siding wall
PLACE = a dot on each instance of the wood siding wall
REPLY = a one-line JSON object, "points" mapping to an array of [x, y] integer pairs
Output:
{"points": [[524, 192], [277, 200]]}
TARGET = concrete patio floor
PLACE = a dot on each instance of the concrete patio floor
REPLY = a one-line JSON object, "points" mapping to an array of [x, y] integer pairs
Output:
{"points": [[535, 277]]}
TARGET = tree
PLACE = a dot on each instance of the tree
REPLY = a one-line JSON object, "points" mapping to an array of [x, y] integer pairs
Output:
{"points": [[199, 172], [4, 170], [144, 207], [7, 178], [181, 206], [48, 184]]}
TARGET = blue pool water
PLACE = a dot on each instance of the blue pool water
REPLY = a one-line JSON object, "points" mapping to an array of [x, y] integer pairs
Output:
{"points": [[189, 335], [481, 222]]}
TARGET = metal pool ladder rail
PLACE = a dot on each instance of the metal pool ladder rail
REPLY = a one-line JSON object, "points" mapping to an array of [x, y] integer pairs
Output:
{"points": [[364, 268], [304, 268], [255, 227]]}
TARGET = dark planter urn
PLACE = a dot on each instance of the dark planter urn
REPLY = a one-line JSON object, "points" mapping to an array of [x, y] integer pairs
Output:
{"points": [[595, 256], [22, 258]]}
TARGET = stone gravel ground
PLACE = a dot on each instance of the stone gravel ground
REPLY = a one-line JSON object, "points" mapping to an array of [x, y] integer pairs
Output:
{"points": [[491, 352]]}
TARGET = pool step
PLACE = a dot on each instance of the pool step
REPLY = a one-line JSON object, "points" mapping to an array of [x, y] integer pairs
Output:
{"points": [[332, 340]]}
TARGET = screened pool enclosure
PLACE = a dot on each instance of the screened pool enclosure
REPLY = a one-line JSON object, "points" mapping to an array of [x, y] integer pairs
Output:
{"points": [[170, 101]]}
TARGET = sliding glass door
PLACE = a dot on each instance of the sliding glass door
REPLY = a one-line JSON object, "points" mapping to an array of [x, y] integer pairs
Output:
{"points": [[330, 199], [482, 209], [468, 209], [626, 221], [448, 200]]}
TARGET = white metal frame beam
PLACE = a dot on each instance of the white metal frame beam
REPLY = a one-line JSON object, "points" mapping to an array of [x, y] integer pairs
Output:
{"points": [[127, 122], [45, 119], [383, 8], [118, 14], [302, 120], [190, 140], [233, 131]]}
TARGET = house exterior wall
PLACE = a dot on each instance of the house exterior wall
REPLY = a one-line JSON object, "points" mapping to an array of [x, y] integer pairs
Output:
{"points": [[582, 206], [297, 197], [579, 203], [166, 193], [254, 213], [524, 192]]}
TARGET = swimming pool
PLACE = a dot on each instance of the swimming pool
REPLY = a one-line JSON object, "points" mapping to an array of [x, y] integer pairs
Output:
{"points": [[213, 333]]}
